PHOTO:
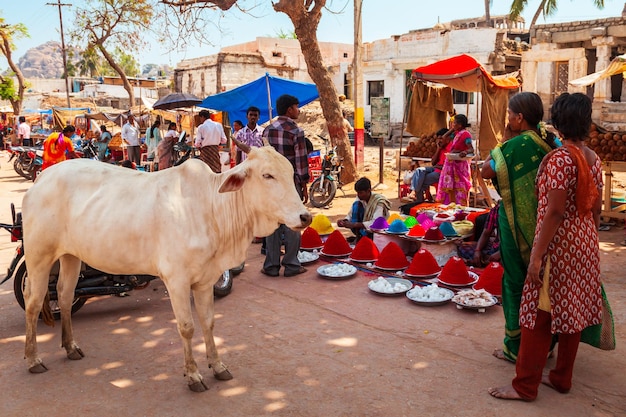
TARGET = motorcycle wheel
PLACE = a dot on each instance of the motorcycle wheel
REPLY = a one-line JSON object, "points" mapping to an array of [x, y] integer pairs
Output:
{"points": [[36, 172], [19, 283], [18, 166], [224, 285], [238, 269], [321, 196]]}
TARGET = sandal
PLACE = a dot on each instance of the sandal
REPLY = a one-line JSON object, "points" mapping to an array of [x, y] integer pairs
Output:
{"points": [[623, 242]]}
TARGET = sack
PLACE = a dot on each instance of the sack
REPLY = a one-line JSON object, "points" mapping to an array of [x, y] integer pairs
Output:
{"points": [[601, 336]]}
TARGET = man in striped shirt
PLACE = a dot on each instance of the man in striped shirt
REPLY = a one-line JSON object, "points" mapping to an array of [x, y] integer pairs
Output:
{"points": [[288, 139]]}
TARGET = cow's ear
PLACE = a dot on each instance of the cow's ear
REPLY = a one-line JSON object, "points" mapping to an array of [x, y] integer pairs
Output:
{"points": [[234, 181]]}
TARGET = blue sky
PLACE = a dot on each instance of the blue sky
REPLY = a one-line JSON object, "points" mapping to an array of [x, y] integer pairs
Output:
{"points": [[381, 19]]}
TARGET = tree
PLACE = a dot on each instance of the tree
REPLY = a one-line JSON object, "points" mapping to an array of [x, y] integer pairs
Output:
{"points": [[547, 7], [305, 16], [8, 34], [112, 25], [89, 62]]}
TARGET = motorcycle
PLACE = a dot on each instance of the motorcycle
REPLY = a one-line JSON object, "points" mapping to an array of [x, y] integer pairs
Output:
{"points": [[25, 159], [91, 282], [324, 188]]}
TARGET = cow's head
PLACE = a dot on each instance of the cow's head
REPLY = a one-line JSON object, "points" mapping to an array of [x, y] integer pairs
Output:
{"points": [[266, 179]]}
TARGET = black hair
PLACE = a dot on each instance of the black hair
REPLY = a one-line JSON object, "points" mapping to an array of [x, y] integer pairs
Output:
{"points": [[363, 184], [22, 119], [462, 120], [571, 116], [284, 102], [205, 113], [103, 128], [529, 105], [172, 126], [253, 108], [441, 131], [238, 121], [69, 129]]}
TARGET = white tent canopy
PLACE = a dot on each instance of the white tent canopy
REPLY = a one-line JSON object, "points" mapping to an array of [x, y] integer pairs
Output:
{"points": [[617, 66]]}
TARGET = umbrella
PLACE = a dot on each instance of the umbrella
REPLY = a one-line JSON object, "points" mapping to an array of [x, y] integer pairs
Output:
{"points": [[176, 100]]}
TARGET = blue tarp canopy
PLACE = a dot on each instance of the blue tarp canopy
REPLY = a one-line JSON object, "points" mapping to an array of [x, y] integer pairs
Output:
{"points": [[261, 93]]}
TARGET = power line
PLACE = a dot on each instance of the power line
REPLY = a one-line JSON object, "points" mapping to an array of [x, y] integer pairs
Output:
{"points": [[63, 51]]}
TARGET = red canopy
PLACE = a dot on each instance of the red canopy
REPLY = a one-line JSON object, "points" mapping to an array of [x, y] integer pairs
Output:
{"points": [[462, 73]]}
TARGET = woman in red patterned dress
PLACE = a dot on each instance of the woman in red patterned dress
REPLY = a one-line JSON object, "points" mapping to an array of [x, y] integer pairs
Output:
{"points": [[562, 293]]}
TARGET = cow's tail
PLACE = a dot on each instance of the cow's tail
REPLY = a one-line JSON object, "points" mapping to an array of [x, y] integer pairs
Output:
{"points": [[46, 311]]}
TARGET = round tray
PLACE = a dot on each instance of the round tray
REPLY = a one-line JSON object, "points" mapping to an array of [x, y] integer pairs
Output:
{"points": [[324, 273], [449, 295], [392, 281], [459, 305], [390, 269], [444, 240], [311, 249], [429, 276], [335, 256], [314, 258], [362, 261], [456, 157], [473, 276], [396, 233]]}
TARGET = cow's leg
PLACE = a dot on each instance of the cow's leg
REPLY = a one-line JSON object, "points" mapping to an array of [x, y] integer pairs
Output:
{"points": [[203, 299], [179, 297], [34, 295], [68, 277]]}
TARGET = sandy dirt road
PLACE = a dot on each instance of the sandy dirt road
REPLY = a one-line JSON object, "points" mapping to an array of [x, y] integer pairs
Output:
{"points": [[301, 346]]}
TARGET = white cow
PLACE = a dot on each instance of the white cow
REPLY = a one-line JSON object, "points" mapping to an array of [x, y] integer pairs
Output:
{"points": [[184, 224]]}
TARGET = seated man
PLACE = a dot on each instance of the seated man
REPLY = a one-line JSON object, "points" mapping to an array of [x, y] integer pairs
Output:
{"points": [[367, 207], [424, 177]]}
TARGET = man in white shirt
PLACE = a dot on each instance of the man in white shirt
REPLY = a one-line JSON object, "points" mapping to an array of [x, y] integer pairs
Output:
{"points": [[209, 137], [130, 136], [23, 132], [250, 136]]}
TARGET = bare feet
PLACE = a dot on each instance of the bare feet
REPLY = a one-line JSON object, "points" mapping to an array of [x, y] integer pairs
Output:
{"points": [[505, 393], [499, 353], [545, 380]]}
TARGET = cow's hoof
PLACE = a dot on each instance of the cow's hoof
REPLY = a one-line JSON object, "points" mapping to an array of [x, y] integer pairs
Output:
{"points": [[75, 354], [39, 368], [225, 375], [198, 386]]}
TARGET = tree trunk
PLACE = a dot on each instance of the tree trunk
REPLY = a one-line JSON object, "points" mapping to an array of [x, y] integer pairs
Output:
{"points": [[127, 86], [537, 14], [6, 49], [305, 18]]}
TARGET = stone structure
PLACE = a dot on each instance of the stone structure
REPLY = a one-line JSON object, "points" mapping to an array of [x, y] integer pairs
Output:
{"points": [[239, 64], [387, 63], [566, 51]]}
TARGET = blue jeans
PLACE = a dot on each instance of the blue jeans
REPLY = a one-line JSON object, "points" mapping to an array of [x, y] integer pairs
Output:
{"points": [[423, 178]]}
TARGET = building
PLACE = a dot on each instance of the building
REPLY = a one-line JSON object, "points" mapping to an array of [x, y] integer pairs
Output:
{"points": [[388, 63], [239, 64], [563, 52]]}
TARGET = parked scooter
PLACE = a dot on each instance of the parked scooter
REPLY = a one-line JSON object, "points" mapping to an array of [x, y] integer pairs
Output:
{"points": [[91, 282], [323, 189]]}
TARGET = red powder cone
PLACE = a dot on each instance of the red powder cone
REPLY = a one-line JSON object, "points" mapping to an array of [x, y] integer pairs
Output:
{"points": [[365, 251], [392, 257], [423, 264], [491, 279], [455, 272], [336, 245], [310, 239]]}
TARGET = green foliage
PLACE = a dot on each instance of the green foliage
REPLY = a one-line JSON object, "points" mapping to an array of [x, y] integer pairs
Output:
{"points": [[129, 64], [282, 34], [7, 89]]}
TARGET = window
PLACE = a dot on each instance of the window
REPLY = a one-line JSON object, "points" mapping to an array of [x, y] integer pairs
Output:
{"points": [[461, 97], [375, 89], [345, 54]]}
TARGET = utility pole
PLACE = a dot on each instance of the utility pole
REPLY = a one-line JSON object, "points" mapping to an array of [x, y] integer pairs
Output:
{"points": [[63, 51], [357, 92]]}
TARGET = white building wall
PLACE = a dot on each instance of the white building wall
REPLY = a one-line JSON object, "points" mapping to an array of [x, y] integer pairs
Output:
{"points": [[388, 59], [97, 90]]}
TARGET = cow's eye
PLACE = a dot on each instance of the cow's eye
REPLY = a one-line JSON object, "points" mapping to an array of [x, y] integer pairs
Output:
{"points": [[268, 176]]}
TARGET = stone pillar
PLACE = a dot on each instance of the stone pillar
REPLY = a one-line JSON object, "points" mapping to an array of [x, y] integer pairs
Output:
{"points": [[602, 91]]}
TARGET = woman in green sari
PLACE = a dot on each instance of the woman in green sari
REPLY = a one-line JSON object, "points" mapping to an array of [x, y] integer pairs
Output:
{"points": [[513, 167]]}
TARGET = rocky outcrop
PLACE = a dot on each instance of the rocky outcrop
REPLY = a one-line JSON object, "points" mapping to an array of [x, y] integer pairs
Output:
{"points": [[43, 61]]}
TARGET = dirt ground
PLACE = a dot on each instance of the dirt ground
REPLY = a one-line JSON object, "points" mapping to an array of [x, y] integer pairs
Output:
{"points": [[301, 346]]}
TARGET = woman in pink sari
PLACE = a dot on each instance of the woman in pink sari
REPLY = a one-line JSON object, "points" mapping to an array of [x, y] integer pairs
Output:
{"points": [[455, 180]]}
